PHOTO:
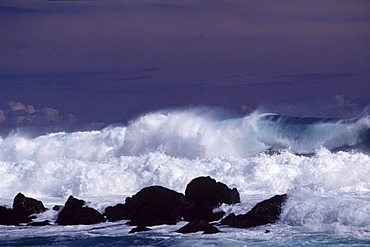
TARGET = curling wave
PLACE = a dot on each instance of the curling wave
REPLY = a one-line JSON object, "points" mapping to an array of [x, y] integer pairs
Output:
{"points": [[189, 134], [192, 134]]}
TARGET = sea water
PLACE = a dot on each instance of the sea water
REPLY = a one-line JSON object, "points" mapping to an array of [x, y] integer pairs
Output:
{"points": [[322, 164]]}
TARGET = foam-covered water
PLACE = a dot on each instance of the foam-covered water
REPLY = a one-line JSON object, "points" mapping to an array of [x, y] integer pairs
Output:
{"points": [[329, 191]]}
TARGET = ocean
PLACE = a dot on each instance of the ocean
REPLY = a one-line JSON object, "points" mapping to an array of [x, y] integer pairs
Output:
{"points": [[323, 164]]}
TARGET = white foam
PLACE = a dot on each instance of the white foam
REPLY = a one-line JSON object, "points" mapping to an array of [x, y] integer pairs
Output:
{"points": [[96, 169], [334, 213], [170, 149]]}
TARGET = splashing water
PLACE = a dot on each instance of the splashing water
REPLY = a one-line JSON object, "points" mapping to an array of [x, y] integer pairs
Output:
{"points": [[328, 190]]}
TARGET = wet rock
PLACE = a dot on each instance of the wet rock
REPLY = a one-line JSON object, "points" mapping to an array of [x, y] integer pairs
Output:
{"points": [[265, 212], [23, 208], [12, 217], [117, 212], [197, 226], [139, 229], [203, 194], [154, 205], [75, 212], [39, 223], [57, 207], [27, 206]]}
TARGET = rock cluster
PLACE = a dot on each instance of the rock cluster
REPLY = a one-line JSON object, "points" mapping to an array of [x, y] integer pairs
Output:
{"points": [[23, 208], [155, 205]]}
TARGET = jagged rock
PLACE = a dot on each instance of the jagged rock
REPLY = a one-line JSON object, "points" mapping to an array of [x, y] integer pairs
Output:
{"points": [[139, 229], [203, 194], [74, 212], [27, 205], [265, 212], [12, 217], [154, 205], [117, 212], [197, 226], [23, 208]]}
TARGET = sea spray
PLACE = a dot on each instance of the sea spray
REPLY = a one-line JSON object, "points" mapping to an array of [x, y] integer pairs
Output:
{"points": [[260, 154], [170, 148]]}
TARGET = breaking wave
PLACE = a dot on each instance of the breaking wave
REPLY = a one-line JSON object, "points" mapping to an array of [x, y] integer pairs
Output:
{"points": [[260, 154], [171, 148]]}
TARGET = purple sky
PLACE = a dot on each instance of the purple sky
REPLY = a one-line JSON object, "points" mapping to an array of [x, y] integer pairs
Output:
{"points": [[112, 60]]}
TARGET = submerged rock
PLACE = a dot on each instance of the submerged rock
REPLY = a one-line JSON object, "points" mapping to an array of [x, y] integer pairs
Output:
{"points": [[154, 205], [265, 212], [75, 212], [197, 226], [203, 194]]}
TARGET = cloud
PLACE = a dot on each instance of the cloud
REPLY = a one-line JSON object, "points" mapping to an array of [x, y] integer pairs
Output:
{"points": [[51, 114], [344, 103], [16, 106], [2, 116], [246, 108], [30, 109], [17, 114], [226, 53]]}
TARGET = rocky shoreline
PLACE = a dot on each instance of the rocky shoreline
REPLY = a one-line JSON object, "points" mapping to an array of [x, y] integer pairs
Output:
{"points": [[154, 205]]}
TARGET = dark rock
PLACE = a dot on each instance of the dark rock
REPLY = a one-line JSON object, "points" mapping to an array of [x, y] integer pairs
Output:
{"points": [[57, 207], [4, 210], [27, 206], [139, 229], [265, 212], [39, 223], [198, 225], [12, 217], [23, 208], [154, 205], [74, 212], [203, 194], [118, 212]]}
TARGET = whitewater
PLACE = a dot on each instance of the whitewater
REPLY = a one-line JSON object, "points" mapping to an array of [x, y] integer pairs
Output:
{"points": [[322, 164]]}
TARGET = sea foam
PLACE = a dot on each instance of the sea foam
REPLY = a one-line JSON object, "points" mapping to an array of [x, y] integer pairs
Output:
{"points": [[172, 148], [260, 155]]}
